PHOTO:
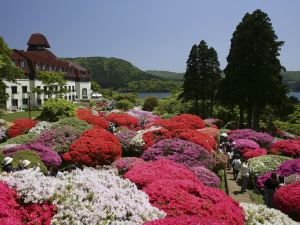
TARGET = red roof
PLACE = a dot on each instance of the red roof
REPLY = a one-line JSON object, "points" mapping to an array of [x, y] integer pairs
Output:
{"points": [[38, 39]]}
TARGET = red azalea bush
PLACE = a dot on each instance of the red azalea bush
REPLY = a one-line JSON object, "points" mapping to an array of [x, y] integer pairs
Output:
{"points": [[191, 121], [144, 174], [21, 126], [254, 153], [286, 147], [95, 147], [287, 200], [123, 120], [213, 132], [205, 140], [169, 125], [86, 115], [36, 214], [152, 137], [186, 220], [179, 197]]}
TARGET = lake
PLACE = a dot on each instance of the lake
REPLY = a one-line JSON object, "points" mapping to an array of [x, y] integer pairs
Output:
{"points": [[158, 95], [296, 94]]}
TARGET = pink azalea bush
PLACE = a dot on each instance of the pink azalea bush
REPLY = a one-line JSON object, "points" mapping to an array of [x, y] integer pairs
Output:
{"points": [[180, 151], [287, 200], [125, 164], [241, 144], [263, 139], [206, 176], [254, 153]]}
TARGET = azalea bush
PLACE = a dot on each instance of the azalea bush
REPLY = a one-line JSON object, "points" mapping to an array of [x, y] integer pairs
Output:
{"points": [[138, 142], [72, 122], [125, 164], [254, 153], [94, 147], [213, 121], [48, 156], [21, 126], [179, 197], [184, 220], [21, 139], [125, 136], [262, 215], [286, 147], [40, 127], [242, 144], [89, 117], [144, 117], [180, 151], [2, 133], [287, 200], [153, 136], [123, 120], [213, 132], [191, 121], [206, 176], [267, 163], [87, 196]]}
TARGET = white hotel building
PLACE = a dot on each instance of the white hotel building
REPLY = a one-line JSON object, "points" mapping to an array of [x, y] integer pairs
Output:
{"points": [[39, 58]]}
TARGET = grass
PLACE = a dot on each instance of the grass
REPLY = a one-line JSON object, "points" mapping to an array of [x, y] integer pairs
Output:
{"points": [[10, 117], [222, 178], [256, 197]]}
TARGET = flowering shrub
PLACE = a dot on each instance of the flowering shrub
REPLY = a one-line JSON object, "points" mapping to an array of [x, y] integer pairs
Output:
{"points": [[263, 139], [267, 163], [38, 214], [254, 153], [143, 116], [48, 156], [125, 136], [40, 127], [186, 197], [170, 125], [260, 181], [59, 139], [144, 174], [180, 151], [72, 122], [207, 177], [287, 200], [123, 120], [87, 196], [138, 142], [221, 160], [2, 133], [87, 115], [286, 147], [21, 139], [205, 140], [154, 136], [126, 163], [292, 178], [213, 132], [191, 121], [21, 126], [242, 144], [187, 220], [261, 215], [289, 167], [94, 147]]}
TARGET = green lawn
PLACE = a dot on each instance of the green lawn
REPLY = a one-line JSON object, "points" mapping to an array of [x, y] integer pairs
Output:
{"points": [[12, 116]]}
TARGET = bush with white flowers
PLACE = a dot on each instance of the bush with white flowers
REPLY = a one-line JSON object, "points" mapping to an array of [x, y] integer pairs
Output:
{"points": [[138, 141], [41, 127], [261, 215], [89, 196]]}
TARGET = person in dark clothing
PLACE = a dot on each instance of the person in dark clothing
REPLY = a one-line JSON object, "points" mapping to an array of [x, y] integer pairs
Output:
{"points": [[270, 185], [7, 165]]}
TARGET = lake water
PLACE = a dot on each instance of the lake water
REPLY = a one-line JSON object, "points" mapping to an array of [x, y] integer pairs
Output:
{"points": [[296, 94], [158, 95]]}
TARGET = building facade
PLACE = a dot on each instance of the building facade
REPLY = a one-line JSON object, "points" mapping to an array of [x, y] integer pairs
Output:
{"points": [[36, 58]]}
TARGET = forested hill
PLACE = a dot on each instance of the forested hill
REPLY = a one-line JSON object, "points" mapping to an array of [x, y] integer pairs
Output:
{"points": [[112, 72], [292, 78], [166, 74]]}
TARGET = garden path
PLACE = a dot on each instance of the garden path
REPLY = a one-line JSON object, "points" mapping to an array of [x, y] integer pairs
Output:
{"points": [[234, 189]]}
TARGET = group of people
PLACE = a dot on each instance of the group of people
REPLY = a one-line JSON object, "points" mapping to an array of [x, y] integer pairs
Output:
{"points": [[234, 162], [8, 167]]}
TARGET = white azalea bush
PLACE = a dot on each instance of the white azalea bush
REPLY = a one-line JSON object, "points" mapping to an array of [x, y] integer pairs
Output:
{"points": [[261, 215], [138, 141], [41, 127], [89, 196]]}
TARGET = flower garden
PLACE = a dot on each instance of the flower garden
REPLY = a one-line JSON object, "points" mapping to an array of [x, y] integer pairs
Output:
{"points": [[151, 171]]}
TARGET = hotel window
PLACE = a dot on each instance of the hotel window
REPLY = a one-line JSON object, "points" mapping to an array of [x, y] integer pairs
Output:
{"points": [[44, 66], [22, 63], [14, 62], [14, 89], [24, 89], [39, 101], [37, 66], [69, 97], [69, 88], [50, 67], [14, 102], [73, 88], [25, 101], [45, 88]]}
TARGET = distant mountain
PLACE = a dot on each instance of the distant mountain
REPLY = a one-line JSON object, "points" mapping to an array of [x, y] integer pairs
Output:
{"points": [[113, 72], [166, 74], [292, 79]]}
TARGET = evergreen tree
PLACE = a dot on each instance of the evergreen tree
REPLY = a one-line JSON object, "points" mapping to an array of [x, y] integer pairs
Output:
{"points": [[7, 70], [253, 77], [202, 78]]}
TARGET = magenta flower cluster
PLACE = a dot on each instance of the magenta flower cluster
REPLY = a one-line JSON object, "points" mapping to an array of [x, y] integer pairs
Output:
{"points": [[206, 176], [241, 144], [263, 139]]}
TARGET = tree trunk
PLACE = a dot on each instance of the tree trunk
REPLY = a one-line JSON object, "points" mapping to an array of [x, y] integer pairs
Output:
{"points": [[197, 107], [249, 116], [242, 118], [256, 118]]}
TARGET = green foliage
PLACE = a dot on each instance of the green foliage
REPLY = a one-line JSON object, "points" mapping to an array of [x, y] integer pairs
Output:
{"points": [[131, 97], [166, 74], [202, 78], [153, 85], [124, 104], [292, 79], [20, 139], [73, 122], [112, 72], [95, 87], [1, 161], [32, 156], [54, 81], [56, 109], [150, 103]]}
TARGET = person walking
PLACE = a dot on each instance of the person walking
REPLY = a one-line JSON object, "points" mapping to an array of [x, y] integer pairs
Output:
{"points": [[236, 166], [270, 185], [245, 173], [229, 156]]}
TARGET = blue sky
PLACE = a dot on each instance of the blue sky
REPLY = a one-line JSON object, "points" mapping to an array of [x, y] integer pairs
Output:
{"points": [[153, 34]]}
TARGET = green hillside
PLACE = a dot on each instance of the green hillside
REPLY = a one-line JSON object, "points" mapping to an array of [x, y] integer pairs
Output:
{"points": [[166, 74], [292, 79], [112, 72]]}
